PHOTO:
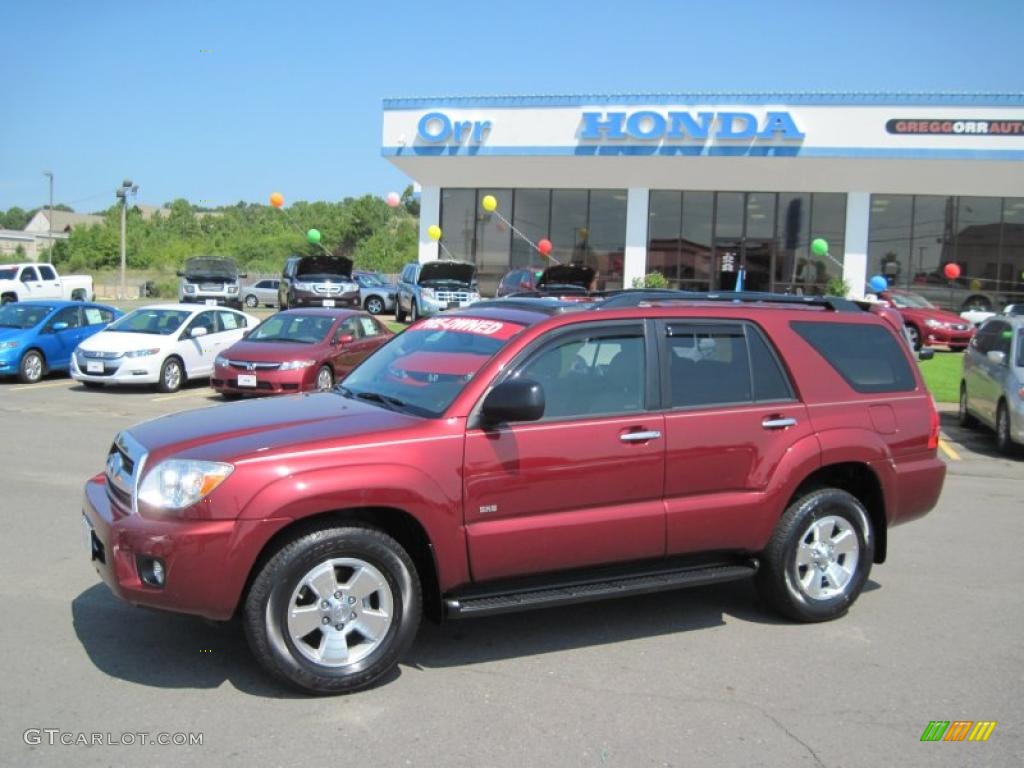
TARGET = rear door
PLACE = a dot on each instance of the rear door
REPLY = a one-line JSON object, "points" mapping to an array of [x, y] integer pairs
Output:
{"points": [[582, 486], [731, 416], [990, 375]]}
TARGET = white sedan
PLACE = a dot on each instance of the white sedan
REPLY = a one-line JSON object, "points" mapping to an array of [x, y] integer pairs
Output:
{"points": [[163, 344]]}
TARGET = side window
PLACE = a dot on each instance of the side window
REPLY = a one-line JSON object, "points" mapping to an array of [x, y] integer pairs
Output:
{"points": [[593, 375], [985, 340], [351, 327], [708, 365], [47, 272], [368, 326], [97, 316], [28, 275], [408, 274], [207, 320], [770, 381], [868, 357], [1003, 339], [67, 315], [229, 321]]}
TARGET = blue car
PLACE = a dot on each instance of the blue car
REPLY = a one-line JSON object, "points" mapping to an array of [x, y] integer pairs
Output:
{"points": [[40, 336]]}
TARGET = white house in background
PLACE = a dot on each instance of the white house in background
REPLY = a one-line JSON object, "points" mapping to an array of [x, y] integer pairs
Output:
{"points": [[10, 239], [36, 237]]}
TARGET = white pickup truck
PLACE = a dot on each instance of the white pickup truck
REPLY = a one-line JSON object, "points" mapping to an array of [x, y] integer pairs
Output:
{"points": [[19, 282]]}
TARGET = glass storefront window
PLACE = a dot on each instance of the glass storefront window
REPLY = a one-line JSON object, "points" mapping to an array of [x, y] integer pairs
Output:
{"points": [[793, 241], [531, 211], [978, 224], [607, 236], [698, 222], [568, 225], [889, 238], [458, 222], [664, 227], [932, 244], [493, 240]]}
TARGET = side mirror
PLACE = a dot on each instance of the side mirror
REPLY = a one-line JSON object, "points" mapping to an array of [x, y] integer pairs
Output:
{"points": [[179, 273], [243, 274], [514, 400], [925, 353], [997, 357], [59, 327], [195, 333], [345, 338]]}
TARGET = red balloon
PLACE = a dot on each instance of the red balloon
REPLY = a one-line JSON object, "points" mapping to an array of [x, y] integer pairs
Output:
{"points": [[544, 246], [951, 271]]}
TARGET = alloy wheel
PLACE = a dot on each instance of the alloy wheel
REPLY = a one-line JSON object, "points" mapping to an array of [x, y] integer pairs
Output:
{"points": [[826, 558]]}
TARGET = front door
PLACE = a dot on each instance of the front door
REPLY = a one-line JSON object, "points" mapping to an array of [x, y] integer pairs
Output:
{"points": [[582, 486], [756, 259]]}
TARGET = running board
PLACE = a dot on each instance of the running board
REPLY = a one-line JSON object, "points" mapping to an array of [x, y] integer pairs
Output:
{"points": [[491, 603]]}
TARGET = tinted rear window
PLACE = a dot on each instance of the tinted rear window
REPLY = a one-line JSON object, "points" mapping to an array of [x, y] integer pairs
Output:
{"points": [[868, 357]]}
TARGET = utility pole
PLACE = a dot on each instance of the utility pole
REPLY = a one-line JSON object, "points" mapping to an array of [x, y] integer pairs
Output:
{"points": [[122, 192], [49, 215]]}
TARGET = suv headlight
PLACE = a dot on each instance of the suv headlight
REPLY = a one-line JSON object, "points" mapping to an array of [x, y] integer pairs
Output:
{"points": [[302, 286], [142, 352], [221, 361], [189, 288], [428, 293], [294, 365], [232, 289], [180, 483]]}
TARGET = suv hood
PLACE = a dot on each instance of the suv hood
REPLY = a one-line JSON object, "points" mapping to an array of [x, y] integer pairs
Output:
{"points": [[564, 275], [447, 271], [241, 430], [206, 266], [324, 265]]}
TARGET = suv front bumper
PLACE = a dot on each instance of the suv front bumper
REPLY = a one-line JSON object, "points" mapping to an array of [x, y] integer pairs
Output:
{"points": [[206, 562]]}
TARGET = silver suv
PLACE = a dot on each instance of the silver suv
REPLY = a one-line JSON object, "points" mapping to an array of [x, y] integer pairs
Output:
{"points": [[426, 289], [992, 380]]}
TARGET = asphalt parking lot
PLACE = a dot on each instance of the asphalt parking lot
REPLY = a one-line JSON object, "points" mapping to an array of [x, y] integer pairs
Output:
{"points": [[698, 677]]}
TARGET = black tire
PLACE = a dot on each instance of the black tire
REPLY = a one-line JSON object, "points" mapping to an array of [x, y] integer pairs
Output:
{"points": [[964, 418], [33, 366], [168, 381], [779, 578], [414, 313], [399, 312], [251, 301], [1004, 442], [914, 335], [92, 384], [78, 295], [270, 599], [8, 298], [374, 305]]}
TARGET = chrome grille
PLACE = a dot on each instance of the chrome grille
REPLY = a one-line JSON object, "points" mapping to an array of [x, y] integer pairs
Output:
{"points": [[125, 462], [211, 286], [253, 365], [91, 355], [459, 296], [327, 289]]}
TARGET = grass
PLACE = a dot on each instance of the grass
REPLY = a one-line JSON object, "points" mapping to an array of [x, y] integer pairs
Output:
{"points": [[942, 375], [395, 327]]}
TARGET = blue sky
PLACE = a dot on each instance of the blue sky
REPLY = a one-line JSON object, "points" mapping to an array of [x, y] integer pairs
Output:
{"points": [[289, 95]]}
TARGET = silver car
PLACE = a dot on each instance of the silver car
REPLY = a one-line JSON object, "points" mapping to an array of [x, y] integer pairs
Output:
{"points": [[377, 295], [992, 380], [262, 292]]}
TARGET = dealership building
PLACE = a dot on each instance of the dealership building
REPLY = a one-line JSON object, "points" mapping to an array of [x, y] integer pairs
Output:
{"points": [[700, 186]]}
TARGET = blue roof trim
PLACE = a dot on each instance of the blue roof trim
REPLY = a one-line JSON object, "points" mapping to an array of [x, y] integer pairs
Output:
{"points": [[813, 98], [650, 150]]}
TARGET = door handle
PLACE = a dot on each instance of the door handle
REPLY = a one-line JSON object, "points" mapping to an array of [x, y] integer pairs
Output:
{"points": [[640, 437], [778, 422]]}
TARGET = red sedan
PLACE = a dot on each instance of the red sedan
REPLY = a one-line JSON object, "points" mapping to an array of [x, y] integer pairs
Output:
{"points": [[298, 350], [927, 324]]}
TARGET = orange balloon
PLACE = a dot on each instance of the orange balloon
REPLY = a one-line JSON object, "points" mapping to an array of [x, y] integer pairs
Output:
{"points": [[276, 199]]}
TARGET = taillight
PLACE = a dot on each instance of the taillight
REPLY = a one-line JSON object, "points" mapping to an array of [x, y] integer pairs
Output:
{"points": [[933, 427]]}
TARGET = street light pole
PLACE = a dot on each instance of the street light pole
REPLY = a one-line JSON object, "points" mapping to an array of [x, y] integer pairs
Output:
{"points": [[126, 188], [49, 216]]}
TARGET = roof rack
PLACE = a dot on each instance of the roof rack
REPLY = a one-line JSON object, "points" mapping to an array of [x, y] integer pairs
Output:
{"points": [[549, 305], [633, 297]]}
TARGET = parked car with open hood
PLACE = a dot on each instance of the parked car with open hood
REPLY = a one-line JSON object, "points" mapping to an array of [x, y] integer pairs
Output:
{"points": [[296, 351], [164, 344], [321, 280], [556, 280], [39, 336], [426, 289], [210, 280], [927, 325], [992, 380]]}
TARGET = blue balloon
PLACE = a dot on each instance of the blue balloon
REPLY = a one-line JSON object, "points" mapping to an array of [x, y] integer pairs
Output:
{"points": [[878, 283]]}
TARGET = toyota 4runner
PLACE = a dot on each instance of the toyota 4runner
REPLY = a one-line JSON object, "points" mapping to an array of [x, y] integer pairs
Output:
{"points": [[526, 453]]}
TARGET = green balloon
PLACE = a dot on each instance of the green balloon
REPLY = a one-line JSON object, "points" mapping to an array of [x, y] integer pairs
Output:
{"points": [[313, 236], [819, 246]]}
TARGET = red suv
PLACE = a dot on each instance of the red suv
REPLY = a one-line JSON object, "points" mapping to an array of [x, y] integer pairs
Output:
{"points": [[527, 453]]}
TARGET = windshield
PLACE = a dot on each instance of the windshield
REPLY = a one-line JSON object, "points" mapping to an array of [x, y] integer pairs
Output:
{"points": [[160, 322], [17, 315], [425, 368], [223, 269], [911, 301], [1020, 348], [301, 329], [368, 280], [8, 273]]}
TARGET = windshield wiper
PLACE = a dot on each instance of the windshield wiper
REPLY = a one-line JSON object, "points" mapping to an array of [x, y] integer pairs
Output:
{"points": [[376, 397], [282, 338]]}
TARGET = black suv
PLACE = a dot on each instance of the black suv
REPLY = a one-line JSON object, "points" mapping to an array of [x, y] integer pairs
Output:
{"points": [[318, 281]]}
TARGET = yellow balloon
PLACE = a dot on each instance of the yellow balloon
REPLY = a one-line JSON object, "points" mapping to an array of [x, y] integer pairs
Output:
{"points": [[434, 231], [490, 203]]}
